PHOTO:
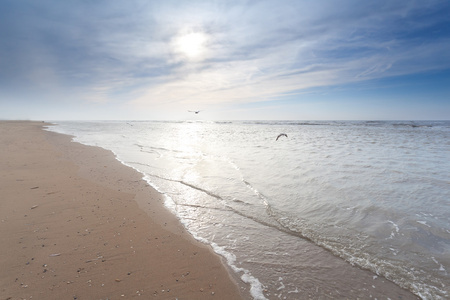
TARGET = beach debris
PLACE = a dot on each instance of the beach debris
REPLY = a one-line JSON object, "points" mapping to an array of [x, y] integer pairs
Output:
{"points": [[118, 280], [34, 206], [99, 256], [194, 111], [185, 274], [55, 254], [33, 188]]}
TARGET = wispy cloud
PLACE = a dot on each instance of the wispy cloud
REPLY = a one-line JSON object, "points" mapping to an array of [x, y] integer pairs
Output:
{"points": [[254, 50], [282, 49]]}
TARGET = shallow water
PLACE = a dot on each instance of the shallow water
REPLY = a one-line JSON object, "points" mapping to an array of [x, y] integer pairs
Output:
{"points": [[291, 216]]}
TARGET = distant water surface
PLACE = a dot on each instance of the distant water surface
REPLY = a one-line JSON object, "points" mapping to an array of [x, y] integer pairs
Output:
{"points": [[375, 195]]}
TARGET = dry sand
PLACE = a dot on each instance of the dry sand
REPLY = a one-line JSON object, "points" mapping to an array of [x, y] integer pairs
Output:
{"points": [[77, 224]]}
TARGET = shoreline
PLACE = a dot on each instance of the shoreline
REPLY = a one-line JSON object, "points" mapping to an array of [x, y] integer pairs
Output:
{"points": [[78, 224]]}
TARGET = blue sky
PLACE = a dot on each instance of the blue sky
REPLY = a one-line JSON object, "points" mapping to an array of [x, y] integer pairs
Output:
{"points": [[305, 60]]}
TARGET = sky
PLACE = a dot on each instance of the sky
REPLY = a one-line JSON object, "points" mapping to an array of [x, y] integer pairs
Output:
{"points": [[232, 60]]}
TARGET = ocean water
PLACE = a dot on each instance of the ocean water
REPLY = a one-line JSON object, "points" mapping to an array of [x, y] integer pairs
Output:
{"points": [[333, 210]]}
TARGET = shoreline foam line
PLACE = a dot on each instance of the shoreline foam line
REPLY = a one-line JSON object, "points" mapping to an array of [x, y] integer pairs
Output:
{"points": [[75, 222], [256, 288]]}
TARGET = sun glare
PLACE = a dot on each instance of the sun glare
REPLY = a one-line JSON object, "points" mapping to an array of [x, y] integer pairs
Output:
{"points": [[192, 45]]}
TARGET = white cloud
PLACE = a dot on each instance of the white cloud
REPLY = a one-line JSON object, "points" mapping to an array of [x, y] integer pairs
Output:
{"points": [[250, 51]]}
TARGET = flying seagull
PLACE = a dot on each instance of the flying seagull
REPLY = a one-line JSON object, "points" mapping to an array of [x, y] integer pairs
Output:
{"points": [[280, 135], [194, 111]]}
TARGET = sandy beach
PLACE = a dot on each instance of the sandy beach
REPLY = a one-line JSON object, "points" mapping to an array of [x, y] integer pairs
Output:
{"points": [[77, 224]]}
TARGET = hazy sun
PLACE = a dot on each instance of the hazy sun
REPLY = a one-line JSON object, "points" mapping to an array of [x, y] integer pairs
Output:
{"points": [[192, 45]]}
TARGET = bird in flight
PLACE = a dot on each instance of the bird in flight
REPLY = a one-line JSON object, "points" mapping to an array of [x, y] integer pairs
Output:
{"points": [[194, 111], [280, 135]]}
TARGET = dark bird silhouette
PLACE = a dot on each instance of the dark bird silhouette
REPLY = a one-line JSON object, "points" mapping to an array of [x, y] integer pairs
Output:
{"points": [[194, 111], [280, 135]]}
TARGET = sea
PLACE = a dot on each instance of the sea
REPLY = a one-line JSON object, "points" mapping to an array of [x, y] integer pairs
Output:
{"points": [[332, 210]]}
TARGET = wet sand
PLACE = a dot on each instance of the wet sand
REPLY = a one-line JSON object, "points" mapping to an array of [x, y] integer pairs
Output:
{"points": [[77, 224]]}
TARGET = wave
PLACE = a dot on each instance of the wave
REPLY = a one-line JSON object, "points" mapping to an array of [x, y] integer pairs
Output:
{"points": [[341, 246], [234, 194], [353, 248]]}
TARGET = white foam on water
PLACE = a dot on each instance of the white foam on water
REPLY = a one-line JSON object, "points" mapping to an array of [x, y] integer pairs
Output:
{"points": [[358, 187]]}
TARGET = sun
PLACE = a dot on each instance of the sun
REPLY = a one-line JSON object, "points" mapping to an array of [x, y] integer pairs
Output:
{"points": [[192, 45]]}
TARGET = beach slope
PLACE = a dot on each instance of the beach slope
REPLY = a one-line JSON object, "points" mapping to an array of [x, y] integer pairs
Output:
{"points": [[77, 224]]}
